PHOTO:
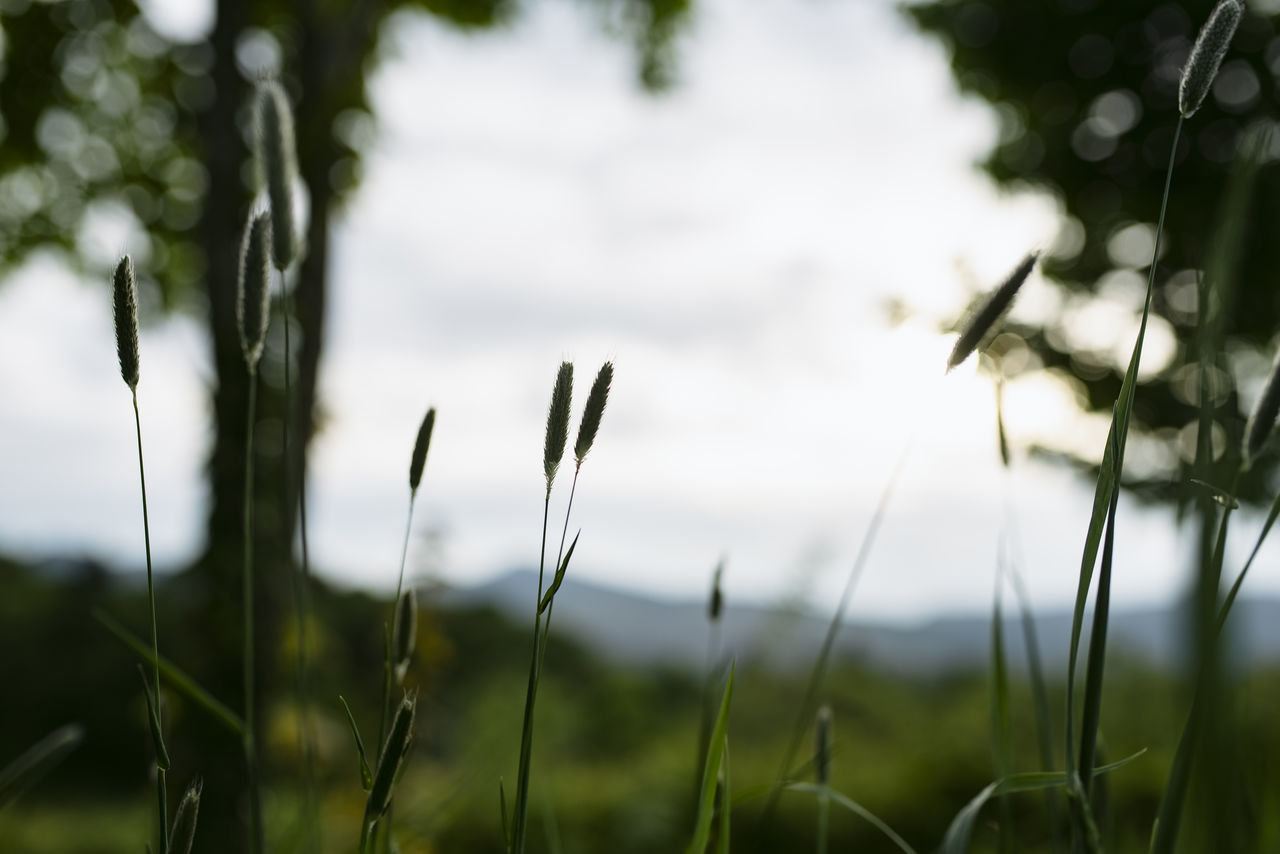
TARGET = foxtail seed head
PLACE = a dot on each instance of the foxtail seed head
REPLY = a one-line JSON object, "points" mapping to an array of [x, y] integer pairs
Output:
{"points": [[558, 421], [124, 303], [277, 165], [980, 322], [593, 411], [393, 756], [1206, 55], [183, 833], [1262, 421], [406, 631], [419, 460], [822, 739], [716, 605], [253, 294]]}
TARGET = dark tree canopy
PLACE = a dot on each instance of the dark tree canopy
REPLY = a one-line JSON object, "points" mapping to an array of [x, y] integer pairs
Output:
{"points": [[98, 112], [1086, 92]]}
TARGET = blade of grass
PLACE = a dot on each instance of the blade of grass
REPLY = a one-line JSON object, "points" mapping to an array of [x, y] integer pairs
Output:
{"points": [[808, 704], [1091, 714], [855, 808], [1040, 696], [366, 775], [956, 840], [23, 772], [182, 683], [710, 771], [1216, 291], [1110, 471], [725, 806]]}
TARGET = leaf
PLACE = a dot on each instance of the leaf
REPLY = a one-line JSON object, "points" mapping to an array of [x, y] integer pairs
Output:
{"points": [[366, 776], [724, 805], [710, 770], [857, 809], [559, 579], [183, 683], [21, 773], [956, 840]]}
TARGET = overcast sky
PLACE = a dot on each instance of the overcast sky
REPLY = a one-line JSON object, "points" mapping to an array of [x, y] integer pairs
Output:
{"points": [[729, 246]]}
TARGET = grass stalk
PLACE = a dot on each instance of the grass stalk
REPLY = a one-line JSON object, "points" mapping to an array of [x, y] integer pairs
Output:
{"points": [[519, 822], [298, 581], [808, 703], [162, 800], [249, 745]]}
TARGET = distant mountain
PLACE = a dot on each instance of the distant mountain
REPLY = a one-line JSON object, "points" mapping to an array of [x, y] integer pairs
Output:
{"points": [[638, 629]]}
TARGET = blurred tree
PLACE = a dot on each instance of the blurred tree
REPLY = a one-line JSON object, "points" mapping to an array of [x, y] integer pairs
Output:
{"points": [[104, 119], [1086, 93]]}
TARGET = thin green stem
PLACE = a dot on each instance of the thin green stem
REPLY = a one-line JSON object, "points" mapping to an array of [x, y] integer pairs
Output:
{"points": [[297, 581], [551, 606], [818, 672], [824, 810], [520, 817], [250, 748], [385, 832], [161, 794]]}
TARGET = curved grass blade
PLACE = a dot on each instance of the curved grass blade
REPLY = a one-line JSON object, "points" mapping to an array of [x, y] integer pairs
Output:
{"points": [[1091, 714], [182, 683], [710, 771], [1109, 472], [959, 833], [855, 808], [366, 775], [23, 772], [724, 805], [559, 578]]}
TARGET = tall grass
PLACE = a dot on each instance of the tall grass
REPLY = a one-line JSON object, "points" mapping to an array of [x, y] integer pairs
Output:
{"points": [[270, 242]]}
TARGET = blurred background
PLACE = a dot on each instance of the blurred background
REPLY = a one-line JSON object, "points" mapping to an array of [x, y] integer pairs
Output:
{"points": [[768, 214]]}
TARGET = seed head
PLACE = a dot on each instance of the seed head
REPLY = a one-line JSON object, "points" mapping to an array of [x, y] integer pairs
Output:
{"points": [[277, 166], [593, 411], [253, 294], [980, 322], [406, 631], [393, 755], [124, 302], [1262, 421], [420, 446], [716, 605], [183, 833], [1206, 55], [822, 739], [558, 421]]}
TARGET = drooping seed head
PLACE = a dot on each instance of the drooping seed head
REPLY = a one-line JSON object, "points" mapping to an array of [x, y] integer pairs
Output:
{"points": [[420, 446], [716, 605], [124, 303], [277, 166], [1262, 421], [593, 411], [183, 833], [406, 634], [253, 292], [393, 756], [980, 322], [1206, 55], [558, 421], [822, 739]]}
